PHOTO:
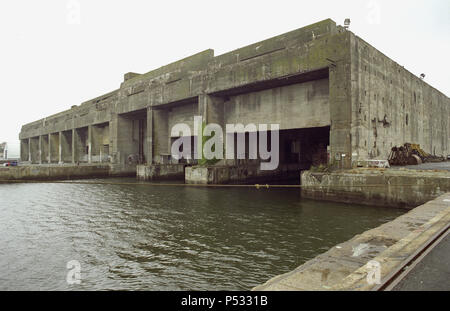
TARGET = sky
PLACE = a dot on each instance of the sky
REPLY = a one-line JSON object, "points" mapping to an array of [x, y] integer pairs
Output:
{"points": [[59, 53]]}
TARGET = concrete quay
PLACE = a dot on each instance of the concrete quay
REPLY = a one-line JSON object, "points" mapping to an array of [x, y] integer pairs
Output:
{"points": [[345, 266], [395, 187], [54, 172], [160, 172], [234, 174]]}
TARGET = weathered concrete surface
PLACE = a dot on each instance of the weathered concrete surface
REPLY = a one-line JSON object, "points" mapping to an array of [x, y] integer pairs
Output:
{"points": [[430, 166], [383, 187], [224, 174], [344, 267], [53, 172], [321, 75], [391, 106], [160, 171]]}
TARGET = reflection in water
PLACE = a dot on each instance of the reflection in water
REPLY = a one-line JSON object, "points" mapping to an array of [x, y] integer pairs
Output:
{"points": [[139, 237]]}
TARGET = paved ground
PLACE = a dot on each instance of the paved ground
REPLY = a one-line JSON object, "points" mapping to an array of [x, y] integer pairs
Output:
{"points": [[432, 273], [430, 166]]}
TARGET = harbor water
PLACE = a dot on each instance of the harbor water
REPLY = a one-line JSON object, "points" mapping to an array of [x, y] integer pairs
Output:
{"points": [[138, 236]]}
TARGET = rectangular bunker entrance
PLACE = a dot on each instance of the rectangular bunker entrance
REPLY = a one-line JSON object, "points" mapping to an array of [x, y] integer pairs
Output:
{"points": [[297, 150], [300, 149], [132, 137]]}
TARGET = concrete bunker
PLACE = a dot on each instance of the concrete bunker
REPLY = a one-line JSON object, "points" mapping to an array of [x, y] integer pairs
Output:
{"points": [[316, 77]]}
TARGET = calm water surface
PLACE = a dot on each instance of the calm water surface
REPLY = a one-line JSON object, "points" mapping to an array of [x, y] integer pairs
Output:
{"points": [[139, 237]]}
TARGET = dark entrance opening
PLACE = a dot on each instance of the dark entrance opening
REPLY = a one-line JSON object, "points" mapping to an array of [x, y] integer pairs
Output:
{"points": [[304, 147]]}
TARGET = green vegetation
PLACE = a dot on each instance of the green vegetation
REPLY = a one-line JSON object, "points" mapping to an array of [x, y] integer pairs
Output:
{"points": [[203, 161], [322, 168]]}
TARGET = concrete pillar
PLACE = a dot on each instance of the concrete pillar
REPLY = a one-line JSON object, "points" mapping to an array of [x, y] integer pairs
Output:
{"points": [[54, 147], [29, 150], [149, 136], [211, 109], [40, 150], [79, 141], [44, 148], [340, 111], [113, 139], [49, 149], [160, 134], [34, 150], [65, 147], [96, 142], [74, 146], [90, 144], [24, 151], [60, 152]]}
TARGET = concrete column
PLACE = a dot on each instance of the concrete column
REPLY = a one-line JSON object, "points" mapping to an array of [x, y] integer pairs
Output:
{"points": [[149, 136], [49, 149], [113, 139], [96, 142], [340, 111], [44, 148], [40, 150], [212, 111], [54, 150], [60, 152], [65, 146], [127, 139], [29, 150], [79, 141], [160, 134], [90, 144], [74, 146], [34, 149], [24, 152]]}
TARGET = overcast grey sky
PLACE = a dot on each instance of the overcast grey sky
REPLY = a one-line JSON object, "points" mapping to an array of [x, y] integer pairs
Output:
{"points": [[49, 61]]}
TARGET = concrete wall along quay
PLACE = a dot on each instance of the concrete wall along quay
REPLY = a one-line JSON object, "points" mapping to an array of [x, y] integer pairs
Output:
{"points": [[380, 187]]}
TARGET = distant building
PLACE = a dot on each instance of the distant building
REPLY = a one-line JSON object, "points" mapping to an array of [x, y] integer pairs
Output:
{"points": [[3, 151]]}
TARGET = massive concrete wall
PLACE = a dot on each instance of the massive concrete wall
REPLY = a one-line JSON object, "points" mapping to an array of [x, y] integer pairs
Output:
{"points": [[95, 111], [302, 105], [182, 114], [391, 106], [376, 187]]}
